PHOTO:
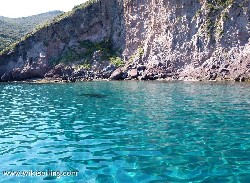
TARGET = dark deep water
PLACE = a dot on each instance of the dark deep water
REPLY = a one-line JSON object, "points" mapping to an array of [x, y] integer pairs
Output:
{"points": [[126, 131]]}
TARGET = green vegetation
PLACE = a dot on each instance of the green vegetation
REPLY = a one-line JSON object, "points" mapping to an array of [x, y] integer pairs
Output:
{"points": [[105, 47], [138, 54], [87, 50], [13, 29], [198, 13], [116, 61], [84, 65], [215, 12], [67, 14], [224, 3], [140, 51], [84, 5], [216, 3], [11, 45], [78, 7]]}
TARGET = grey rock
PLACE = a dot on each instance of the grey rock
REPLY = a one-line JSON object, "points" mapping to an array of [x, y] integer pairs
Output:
{"points": [[213, 76], [133, 73], [118, 74]]}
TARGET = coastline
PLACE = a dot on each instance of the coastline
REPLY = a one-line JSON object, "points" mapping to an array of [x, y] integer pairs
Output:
{"points": [[61, 81]]}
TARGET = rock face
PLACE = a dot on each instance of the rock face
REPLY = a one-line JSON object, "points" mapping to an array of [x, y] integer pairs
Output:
{"points": [[76, 42], [170, 39], [190, 39]]}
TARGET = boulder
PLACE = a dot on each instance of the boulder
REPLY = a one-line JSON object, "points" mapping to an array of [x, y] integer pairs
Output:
{"points": [[57, 71], [240, 78], [107, 71], [22, 74], [147, 75], [133, 73], [213, 76], [72, 79], [118, 74]]}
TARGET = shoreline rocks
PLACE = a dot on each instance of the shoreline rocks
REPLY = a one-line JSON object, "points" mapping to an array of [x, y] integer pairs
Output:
{"points": [[66, 74]]}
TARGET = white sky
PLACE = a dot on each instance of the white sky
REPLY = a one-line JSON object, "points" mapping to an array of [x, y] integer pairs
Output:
{"points": [[22, 8]]}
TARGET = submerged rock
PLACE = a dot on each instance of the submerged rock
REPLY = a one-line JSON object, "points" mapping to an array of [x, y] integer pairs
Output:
{"points": [[93, 95]]}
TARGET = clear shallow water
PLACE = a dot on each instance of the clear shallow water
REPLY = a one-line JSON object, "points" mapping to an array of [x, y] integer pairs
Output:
{"points": [[126, 131]]}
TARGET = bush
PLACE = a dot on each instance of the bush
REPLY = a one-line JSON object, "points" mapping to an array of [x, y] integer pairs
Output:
{"points": [[116, 61]]}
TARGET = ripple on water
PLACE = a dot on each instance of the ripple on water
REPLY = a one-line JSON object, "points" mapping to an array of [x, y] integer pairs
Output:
{"points": [[127, 131]]}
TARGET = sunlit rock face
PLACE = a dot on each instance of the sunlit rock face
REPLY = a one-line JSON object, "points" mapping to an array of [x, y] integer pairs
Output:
{"points": [[171, 39], [194, 39]]}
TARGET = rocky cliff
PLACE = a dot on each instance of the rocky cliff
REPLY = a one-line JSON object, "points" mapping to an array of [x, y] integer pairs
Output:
{"points": [[141, 39]]}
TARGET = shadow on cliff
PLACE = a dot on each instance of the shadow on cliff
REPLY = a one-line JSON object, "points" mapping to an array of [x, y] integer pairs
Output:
{"points": [[67, 39]]}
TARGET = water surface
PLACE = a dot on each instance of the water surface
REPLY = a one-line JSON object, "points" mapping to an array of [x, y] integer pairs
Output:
{"points": [[126, 131]]}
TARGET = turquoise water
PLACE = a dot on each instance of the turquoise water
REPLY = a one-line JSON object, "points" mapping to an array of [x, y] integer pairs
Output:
{"points": [[126, 131]]}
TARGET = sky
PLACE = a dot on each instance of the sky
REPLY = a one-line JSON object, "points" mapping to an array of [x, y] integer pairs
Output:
{"points": [[22, 8]]}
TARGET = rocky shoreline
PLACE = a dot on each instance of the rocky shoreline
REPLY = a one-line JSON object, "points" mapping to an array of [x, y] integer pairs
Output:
{"points": [[42, 73], [100, 69], [60, 81]]}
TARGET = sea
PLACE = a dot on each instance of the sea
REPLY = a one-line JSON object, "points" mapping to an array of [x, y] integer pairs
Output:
{"points": [[125, 132]]}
